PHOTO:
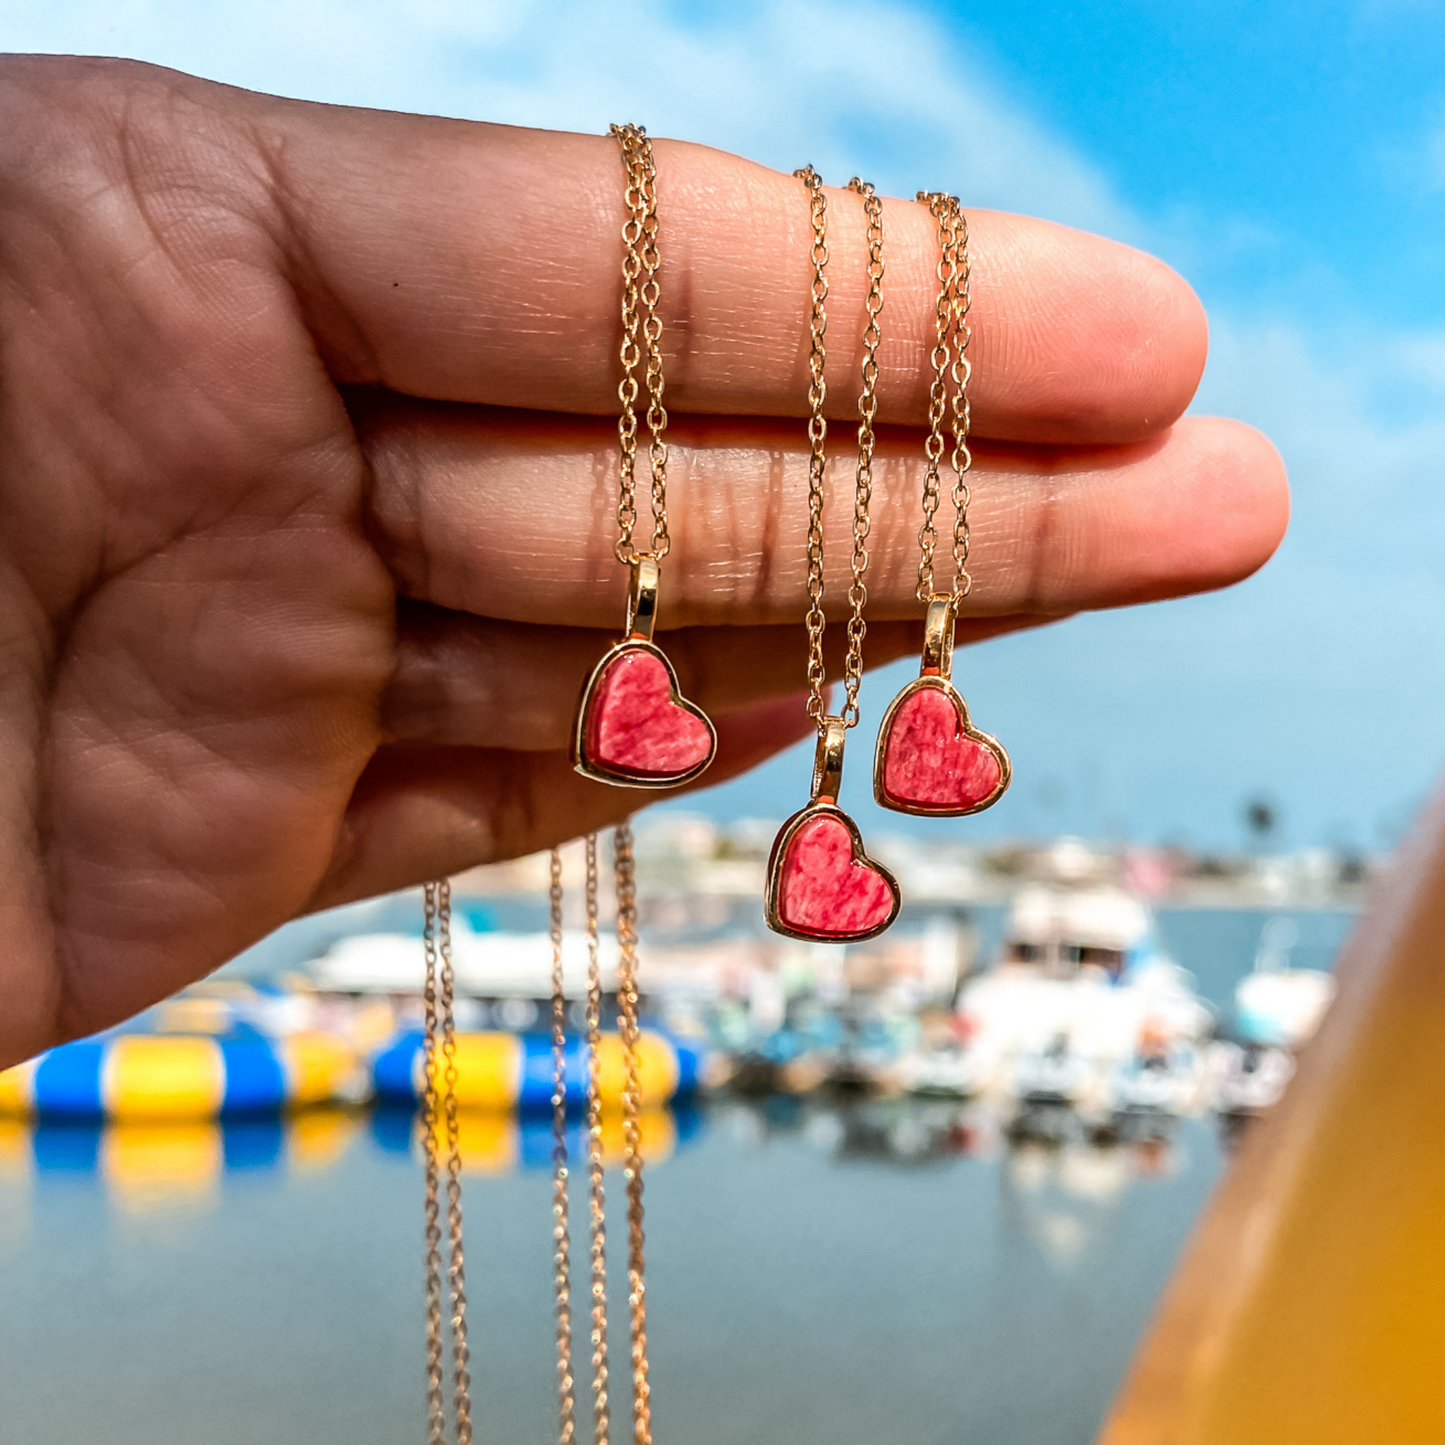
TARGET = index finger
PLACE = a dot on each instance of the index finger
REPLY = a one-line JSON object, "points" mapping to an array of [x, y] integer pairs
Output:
{"points": [[481, 263]]}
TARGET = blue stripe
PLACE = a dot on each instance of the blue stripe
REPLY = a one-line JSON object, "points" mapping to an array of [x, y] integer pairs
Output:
{"points": [[536, 1095], [689, 1067], [392, 1068], [253, 1144], [67, 1081], [255, 1082], [66, 1147]]}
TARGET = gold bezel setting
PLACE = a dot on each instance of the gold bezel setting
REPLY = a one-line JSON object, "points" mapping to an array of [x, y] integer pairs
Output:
{"points": [[860, 855], [600, 772], [940, 684]]}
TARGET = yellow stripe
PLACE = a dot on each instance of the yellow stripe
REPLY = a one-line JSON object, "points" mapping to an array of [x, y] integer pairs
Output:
{"points": [[489, 1070], [16, 1088], [14, 1148], [488, 1140], [146, 1077], [150, 1166], [656, 1070], [656, 1136], [318, 1138], [318, 1067]]}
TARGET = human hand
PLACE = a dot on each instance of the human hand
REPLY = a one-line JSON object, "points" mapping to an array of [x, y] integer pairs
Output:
{"points": [[307, 471]]}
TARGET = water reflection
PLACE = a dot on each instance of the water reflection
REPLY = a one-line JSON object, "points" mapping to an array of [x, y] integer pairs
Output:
{"points": [[149, 1166]]}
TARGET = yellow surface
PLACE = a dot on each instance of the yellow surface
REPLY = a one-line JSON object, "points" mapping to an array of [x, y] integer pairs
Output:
{"points": [[156, 1077], [489, 1141], [150, 1166], [317, 1066], [656, 1137], [656, 1069], [15, 1086], [1310, 1309], [14, 1148], [318, 1138], [489, 1070]]}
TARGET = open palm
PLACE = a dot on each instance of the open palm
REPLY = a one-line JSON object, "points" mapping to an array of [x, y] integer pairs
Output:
{"points": [[307, 478]]}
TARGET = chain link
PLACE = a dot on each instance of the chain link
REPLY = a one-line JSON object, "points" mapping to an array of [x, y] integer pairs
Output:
{"points": [[439, 1112], [867, 412], [950, 362], [561, 1236], [436, 1411], [641, 345], [596, 1198], [817, 439], [627, 1024]]}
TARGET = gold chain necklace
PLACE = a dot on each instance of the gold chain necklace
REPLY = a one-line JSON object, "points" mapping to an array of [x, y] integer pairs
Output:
{"points": [[821, 883], [439, 1113], [930, 759], [633, 726], [440, 1121]]}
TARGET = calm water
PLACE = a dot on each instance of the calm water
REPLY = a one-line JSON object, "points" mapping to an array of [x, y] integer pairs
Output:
{"points": [[830, 1275]]}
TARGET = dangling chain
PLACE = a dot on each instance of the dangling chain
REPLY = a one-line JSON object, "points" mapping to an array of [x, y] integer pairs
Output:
{"points": [[950, 358], [641, 332], [817, 437], [439, 1110], [627, 1009], [597, 1212], [561, 1237]]}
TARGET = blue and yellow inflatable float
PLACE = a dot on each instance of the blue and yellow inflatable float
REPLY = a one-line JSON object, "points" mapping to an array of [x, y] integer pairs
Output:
{"points": [[500, 1072], [138, 1077]]}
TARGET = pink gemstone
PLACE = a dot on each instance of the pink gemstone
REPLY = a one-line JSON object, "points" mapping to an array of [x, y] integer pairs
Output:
{"points": [[930, 762], [636, 726], [824, 890]]}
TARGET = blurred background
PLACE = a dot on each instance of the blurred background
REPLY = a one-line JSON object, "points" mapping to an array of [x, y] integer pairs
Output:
{"points": [[932, 1183]]}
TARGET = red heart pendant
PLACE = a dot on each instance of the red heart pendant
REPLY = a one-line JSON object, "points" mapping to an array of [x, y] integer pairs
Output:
{"points": [[822, 885], [633, 729], [931, 759]]}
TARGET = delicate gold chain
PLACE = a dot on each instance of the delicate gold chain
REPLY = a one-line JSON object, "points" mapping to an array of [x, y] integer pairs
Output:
{"points": [[817, 439], [627, 1011], [561, 1237], [597, 1199], [641, 337], [950, 360], [867, 411], [439, 1107]]}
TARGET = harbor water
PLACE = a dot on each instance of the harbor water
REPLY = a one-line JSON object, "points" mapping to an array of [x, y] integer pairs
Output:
{"points": [[819, 1271]]}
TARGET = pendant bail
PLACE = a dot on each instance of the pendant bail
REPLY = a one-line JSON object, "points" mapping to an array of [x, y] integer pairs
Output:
{"points": [[938, 638], [828, 761], [642, 598]]}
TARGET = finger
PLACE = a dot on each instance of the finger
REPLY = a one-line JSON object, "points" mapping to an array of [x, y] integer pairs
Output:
{"points": [[483, 263], [464, 681], [508, 515], [429, 812]]}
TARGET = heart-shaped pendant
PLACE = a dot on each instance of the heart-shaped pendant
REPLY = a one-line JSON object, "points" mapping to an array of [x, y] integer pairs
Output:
{"points": [[633, 728], [822, 885], [930, 757]]}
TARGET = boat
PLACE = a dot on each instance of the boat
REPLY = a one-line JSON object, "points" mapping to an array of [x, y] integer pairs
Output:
{"points": [[1164, 1076], [1277, 1005], [1078, 982], [1246, 1079]]}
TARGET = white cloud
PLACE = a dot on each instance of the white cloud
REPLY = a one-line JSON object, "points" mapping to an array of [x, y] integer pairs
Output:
{"points": [[841, 84]]}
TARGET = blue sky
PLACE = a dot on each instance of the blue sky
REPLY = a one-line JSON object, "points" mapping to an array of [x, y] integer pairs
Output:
{"points": [[1289, 159]]}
